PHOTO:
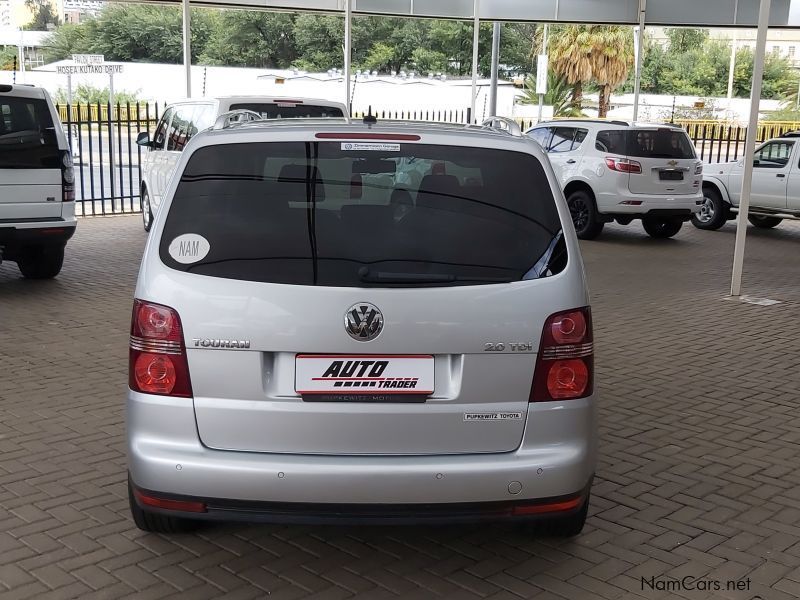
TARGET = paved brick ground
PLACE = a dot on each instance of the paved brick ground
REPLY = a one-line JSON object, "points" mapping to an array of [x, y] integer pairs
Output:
{"points": [[698, 475]]}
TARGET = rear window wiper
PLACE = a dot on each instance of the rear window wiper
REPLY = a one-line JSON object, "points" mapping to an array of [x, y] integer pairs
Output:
{"points": [[367, 276]]}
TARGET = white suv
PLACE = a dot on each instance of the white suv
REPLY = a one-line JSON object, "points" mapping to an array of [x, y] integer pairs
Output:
{"points": [[37, 182], [314, 339], [182, 120], [610, 170]]}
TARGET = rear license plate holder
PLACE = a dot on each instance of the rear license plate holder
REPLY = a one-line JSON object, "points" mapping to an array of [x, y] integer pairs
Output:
{"points": [[364, 378], [670, 175]]}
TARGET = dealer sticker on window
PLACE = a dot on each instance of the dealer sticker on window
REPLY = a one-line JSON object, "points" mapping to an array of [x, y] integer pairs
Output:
{"points": [[371, 146]]}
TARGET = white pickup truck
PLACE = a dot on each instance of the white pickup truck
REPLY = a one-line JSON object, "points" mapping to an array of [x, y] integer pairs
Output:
{"points": [[775, 194]]}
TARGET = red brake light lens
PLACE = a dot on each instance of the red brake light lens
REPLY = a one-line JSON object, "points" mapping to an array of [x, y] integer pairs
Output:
{"points": [[623, 165], [158, 362], [565, 363]]}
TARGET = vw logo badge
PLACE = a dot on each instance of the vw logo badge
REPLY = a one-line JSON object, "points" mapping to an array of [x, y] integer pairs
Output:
{"points": [[363, 321]]}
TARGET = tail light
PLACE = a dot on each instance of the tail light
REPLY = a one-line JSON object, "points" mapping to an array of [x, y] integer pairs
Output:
{"points": [[158, 362], [623, 165], [565, 363], [67, 177]]}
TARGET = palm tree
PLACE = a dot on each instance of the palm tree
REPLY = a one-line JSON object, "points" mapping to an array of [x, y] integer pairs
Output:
{"points": [[559, 95], [611, 60], [599, 53], [570, 48]]}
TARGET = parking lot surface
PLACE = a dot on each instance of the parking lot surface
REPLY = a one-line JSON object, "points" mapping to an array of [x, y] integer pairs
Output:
{"points": [[697, 493]]}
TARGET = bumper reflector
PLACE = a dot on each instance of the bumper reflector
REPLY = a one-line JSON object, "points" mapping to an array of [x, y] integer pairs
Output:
{"points": [[538, 509], [182, 505]]}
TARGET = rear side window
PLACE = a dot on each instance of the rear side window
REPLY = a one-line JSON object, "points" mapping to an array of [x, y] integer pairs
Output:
{"points": [[269, 110], [27, 135], [322, 213], [646, 143]]}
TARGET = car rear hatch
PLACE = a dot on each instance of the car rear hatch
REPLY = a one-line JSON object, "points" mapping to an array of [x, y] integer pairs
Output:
{"points": [[668, 161], [30, 161], [326, 310]]}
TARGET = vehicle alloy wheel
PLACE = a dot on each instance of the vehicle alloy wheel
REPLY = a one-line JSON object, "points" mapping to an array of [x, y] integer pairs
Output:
{"points": [[584, 215], [713, 212], [147, 212]]}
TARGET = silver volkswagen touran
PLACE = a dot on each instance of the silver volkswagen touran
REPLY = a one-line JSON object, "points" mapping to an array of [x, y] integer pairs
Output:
{"points": [[360, 322]]}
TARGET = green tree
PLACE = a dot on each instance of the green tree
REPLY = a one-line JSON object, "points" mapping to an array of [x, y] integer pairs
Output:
{"points": [[67, 40], [8, 58], [252, 39], [570, 49], [84, 93], [612, 58], [683, 39], [44, 16]]}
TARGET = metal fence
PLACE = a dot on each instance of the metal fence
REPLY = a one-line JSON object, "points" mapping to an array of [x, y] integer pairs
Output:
{"points": [[107, 158]]}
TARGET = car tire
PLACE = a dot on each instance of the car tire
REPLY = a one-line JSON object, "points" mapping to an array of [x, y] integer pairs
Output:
{"points": [[584, 215], [764, 222], [40, 262], [661, 227], [157, 522], [147, 211], [714, 211]]}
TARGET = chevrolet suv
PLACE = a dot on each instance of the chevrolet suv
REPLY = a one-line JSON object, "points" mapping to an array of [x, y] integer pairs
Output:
{"points": [[37, 182], [613, 171], [314, 339]]}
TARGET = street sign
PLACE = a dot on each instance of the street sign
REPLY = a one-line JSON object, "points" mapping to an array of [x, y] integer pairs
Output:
{"points": [[88, 64]]}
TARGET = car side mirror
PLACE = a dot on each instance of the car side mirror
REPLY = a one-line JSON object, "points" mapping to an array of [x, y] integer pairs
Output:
{"points": [[756, 162], [143, 139]]}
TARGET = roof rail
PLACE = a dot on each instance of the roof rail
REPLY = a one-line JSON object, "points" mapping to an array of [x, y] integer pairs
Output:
{"points": [[503, 124], [235, 117]]}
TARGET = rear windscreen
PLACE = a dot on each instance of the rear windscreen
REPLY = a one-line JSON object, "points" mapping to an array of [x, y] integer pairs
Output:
{"points": [[27, 137], [269, 110], [646, 143], [363, 215]]}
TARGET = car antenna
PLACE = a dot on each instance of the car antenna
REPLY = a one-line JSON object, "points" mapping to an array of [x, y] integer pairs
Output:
{"points": [[369, 118]]}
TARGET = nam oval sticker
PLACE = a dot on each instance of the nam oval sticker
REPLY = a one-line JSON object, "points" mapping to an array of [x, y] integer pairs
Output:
{"points": [[189, 248]]}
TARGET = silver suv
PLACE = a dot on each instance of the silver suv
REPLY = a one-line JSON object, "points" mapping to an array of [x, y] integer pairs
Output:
{"points": [[313, 339]]}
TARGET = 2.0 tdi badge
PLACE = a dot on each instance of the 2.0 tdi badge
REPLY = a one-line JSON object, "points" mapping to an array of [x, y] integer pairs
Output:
{"points": [[363, 321]]}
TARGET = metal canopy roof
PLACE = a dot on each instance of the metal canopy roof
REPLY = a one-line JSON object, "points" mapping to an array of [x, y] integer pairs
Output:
{"points": [[711, 13]]}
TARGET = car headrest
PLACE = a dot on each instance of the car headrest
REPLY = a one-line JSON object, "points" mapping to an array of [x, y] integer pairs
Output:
{"points": [[441, 192]]}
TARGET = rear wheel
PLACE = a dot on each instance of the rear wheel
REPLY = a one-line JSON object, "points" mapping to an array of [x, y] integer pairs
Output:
{"points": [[714, 211], [764, 222], [40, 262], [584, 215], [147, 211], [661, 227], [156, 522]]}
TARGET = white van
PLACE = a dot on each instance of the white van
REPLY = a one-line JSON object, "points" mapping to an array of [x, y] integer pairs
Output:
{"points": [[37, 182], [182, 120]]}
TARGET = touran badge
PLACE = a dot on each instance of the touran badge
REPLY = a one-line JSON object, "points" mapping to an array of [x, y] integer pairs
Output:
{"points": [[363, 321]]}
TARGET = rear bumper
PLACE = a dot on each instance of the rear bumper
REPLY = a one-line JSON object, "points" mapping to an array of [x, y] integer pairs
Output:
{"points": [[556, 460], [640, 204], [24, 232]]}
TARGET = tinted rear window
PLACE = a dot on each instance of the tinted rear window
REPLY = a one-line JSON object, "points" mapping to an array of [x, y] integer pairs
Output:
{"points": [[288, 111], [646, 143], [321, 213], [27, 137]]}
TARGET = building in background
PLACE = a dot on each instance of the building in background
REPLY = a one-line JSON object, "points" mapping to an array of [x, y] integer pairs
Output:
{"points": [[76, 11], [31, 42]]}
